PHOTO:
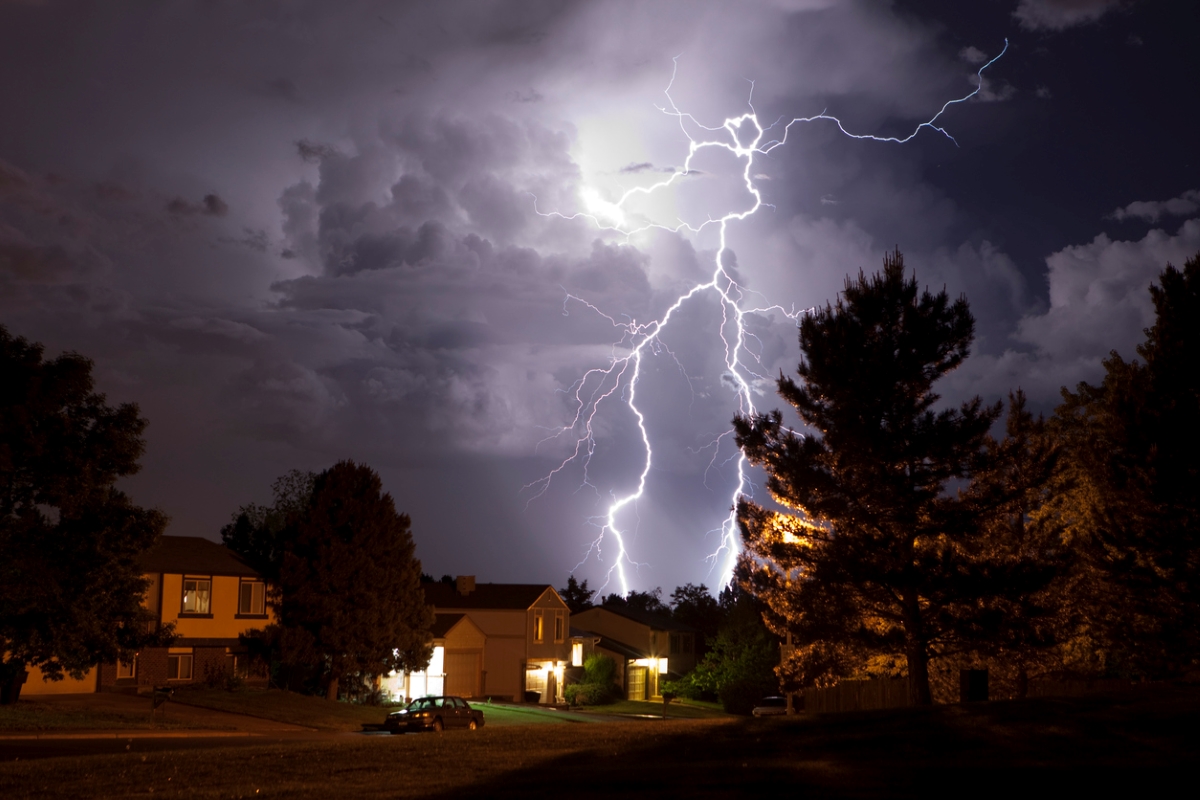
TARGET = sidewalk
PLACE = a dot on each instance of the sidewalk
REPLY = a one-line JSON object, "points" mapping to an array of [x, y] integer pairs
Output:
{"points": [[188, 722]]}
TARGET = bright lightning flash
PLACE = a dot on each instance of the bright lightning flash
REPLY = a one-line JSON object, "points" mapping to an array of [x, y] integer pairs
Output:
{"points": [[743, 137]]}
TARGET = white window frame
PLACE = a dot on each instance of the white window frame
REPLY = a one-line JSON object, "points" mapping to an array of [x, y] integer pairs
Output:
{"points": [[258, 598], [205, 594], [560, 627], [181, 664], [539, 627], [127, 670]]}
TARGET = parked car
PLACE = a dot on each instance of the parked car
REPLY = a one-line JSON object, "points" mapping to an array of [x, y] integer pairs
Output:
{"points": [[770, 707], [434, 714]]}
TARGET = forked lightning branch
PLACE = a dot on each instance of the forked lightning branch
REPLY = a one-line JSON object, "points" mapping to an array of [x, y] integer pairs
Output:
{"points": [[617, 380]]}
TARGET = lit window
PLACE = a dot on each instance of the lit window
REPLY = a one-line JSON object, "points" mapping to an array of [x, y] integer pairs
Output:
{"points": [[558, 626], [197, 593], [539, 632], [576, 654], [179, 667], [252, 598]]}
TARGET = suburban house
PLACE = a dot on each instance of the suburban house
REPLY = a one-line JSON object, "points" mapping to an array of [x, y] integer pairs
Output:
{"points": [[647, 647], [493, 640], [210, 595], [456, 666]]}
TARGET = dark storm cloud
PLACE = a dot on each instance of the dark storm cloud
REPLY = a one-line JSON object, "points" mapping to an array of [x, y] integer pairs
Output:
{"points": [[210, 204], [1057, 15], [330, 241]]}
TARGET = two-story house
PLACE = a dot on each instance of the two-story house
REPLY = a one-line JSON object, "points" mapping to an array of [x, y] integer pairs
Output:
{"points": [[210, 595], [525, 643], [647, 647]]}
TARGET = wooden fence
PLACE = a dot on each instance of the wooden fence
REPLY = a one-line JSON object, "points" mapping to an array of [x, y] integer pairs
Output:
{"points": [[858, 696]]}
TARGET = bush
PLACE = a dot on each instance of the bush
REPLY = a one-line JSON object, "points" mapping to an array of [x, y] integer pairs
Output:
{"points": [[588, 694], [599, 669], [220, 676]]}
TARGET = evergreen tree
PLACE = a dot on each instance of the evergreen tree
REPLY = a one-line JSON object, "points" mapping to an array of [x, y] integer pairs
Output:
{"points": [[879, 559], [70, 580], [347, 594], [576, 595]]}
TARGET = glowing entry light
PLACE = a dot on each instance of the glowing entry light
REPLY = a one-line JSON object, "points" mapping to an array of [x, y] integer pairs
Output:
{"points": [[745, 138]]}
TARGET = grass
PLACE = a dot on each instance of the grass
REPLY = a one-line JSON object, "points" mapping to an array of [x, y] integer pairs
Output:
{"points": [[1138, 745], [34, 717], [281, 706], [686, 709], [506, 716]]}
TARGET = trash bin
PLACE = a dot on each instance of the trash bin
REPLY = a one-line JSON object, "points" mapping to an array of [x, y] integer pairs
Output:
{"points": [[533, 697]]}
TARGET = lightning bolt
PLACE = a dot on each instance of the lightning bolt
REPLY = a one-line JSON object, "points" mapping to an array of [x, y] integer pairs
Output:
{"points": [[743, 137]]}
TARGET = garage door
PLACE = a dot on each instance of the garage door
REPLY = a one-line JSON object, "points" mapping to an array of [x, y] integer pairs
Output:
{"points": [[462, 672]]}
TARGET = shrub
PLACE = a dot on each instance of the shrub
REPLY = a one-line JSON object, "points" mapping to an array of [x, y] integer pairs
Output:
{"points": [[599, 669], [588, 694]]}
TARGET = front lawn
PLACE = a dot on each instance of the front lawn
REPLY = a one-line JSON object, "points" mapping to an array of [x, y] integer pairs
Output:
{"points": [[1135, 745], [678, 709], [281, 706], [512, 715], [30, 716]]}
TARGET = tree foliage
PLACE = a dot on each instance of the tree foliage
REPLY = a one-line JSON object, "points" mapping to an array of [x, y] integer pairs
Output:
{"points": [[346, 587], [576, 595], [1133, 501], [875, 556], [649, 602], [70, 579], [739, 665]]}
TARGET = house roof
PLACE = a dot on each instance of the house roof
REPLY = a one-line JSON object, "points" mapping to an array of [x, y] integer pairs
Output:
{"points": [[443, 623], [620, 648], [194, 555], [485, 595], [651, 620]]}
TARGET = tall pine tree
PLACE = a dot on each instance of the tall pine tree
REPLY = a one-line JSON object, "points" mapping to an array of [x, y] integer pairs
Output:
{"points": [[874, 555]]}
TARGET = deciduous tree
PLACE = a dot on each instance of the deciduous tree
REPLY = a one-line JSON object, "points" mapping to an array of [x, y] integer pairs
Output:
{"points": [[347, 594], [70, 581]]}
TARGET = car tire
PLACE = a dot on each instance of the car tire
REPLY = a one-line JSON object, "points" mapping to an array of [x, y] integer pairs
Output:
{"points": [[438, 726], [473, 726]]}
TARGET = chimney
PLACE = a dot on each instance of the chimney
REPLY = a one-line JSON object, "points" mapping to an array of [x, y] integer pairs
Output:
{"points": [[465, 584]]}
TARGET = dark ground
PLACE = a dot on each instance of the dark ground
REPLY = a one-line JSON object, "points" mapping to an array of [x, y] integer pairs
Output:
{"points": [[1145, 743]]}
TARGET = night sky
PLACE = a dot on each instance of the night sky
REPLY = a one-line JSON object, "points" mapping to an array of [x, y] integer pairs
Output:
{"points": [[295, 233]]}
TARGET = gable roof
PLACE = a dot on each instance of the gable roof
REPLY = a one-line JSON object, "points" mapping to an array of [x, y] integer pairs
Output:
{"points": [[657, 622], [443, 623], [194, 555], [499, 596]]}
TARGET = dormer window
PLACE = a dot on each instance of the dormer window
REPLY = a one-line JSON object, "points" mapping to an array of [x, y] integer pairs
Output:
{"points": [[197, 596]]}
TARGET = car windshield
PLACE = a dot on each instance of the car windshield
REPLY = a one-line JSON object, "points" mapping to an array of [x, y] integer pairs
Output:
{"points": [[772, 702], [422, 703]]}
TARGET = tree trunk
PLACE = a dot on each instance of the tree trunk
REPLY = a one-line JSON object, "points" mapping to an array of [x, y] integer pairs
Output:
{"points": [[12, 678], [916, 653], [331, 691]]}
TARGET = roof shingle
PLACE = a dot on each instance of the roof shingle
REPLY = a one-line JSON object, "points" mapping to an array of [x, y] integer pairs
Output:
{"points": [[194, 555]]}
